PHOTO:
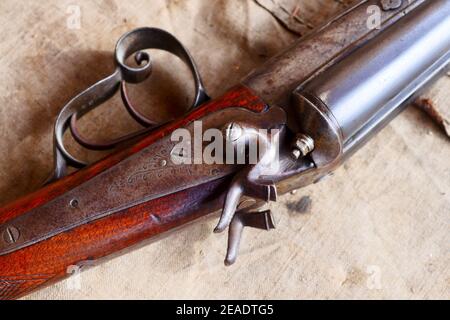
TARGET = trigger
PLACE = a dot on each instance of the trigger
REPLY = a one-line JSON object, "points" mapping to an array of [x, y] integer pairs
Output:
{"points": [[259, 220]]}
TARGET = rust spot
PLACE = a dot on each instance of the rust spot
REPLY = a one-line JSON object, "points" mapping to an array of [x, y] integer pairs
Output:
{"points": [[429, 108], [355, 277]]}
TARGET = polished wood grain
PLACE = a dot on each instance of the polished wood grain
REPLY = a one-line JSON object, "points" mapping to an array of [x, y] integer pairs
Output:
{"points": [[48, 261]]}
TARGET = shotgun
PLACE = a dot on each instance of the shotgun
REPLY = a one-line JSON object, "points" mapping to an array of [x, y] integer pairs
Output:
{"points": [[288, 124]]}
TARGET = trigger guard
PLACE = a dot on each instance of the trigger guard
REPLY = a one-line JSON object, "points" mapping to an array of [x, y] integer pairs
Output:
{"points": [[153, 38], [132, 43]]}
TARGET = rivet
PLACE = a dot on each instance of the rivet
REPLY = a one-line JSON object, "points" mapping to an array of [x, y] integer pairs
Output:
{"points": [[11, 235]]}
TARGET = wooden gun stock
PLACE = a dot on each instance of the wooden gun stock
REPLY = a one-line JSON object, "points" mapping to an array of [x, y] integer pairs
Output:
{"points": [[47, 261]]}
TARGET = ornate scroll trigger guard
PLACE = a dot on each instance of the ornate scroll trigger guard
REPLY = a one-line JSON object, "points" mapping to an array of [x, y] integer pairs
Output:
{"points": [[130, 44], [253, 180]]}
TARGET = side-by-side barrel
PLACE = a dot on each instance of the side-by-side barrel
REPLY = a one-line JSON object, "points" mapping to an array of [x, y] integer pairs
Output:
{"points": [[370, 85]]}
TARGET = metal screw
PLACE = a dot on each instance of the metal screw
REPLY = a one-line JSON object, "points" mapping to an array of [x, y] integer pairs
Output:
{"points": [[296, 153], [391, 4], [74, 203], [233, 131], [11, 235], [303, 145]]}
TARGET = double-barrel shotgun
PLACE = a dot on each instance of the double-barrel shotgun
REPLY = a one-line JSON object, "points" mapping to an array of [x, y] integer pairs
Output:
{"points": [[288, 124]]}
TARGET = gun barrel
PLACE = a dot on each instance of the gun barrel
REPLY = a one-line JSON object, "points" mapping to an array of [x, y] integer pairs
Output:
{"points": [[369, 86], [315, 52]]}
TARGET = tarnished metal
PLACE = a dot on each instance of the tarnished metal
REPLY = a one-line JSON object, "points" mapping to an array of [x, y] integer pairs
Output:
{"points": [[377, 79], [323, 125], [391, 4], [130, 44], [11, 235], [319, 123], [252, 181], [347, 90]]}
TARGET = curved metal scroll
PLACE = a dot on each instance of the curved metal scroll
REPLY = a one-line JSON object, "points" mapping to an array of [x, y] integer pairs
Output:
{"points": [[130, 44]]}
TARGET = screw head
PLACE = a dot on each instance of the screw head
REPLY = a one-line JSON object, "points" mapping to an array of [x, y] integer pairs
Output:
{"points": [[74, 203], [391, 4], [11, 235]]}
